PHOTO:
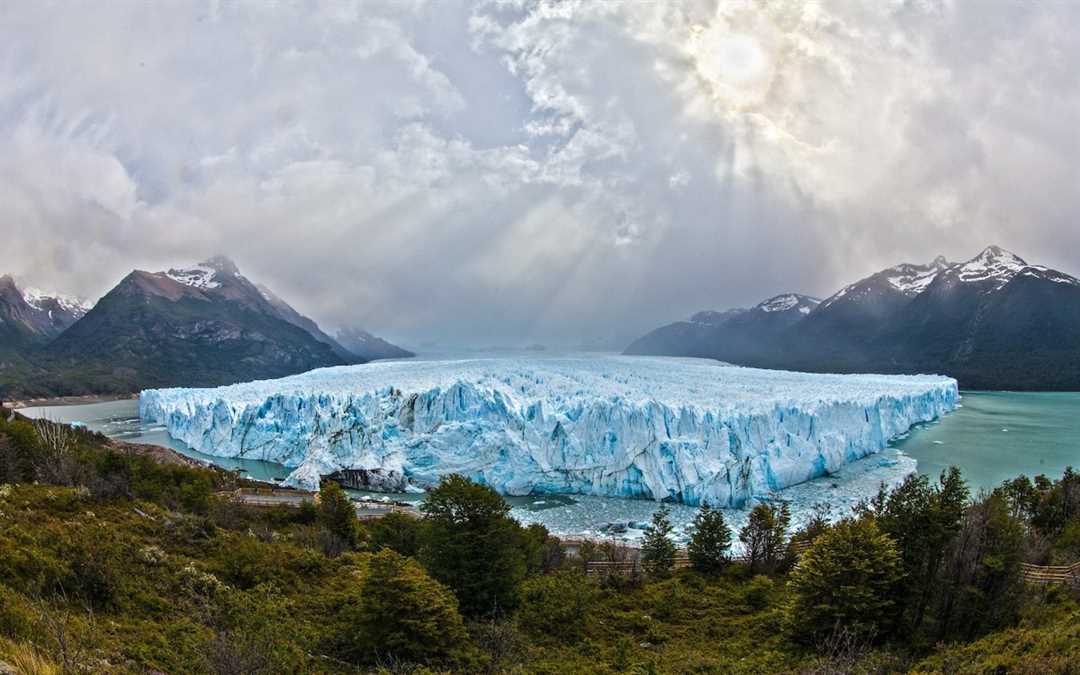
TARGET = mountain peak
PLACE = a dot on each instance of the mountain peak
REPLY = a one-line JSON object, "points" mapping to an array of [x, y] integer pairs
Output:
{"points": [[789, 301], [993, 264], [996, 253], [44, 300], [221, 263]]}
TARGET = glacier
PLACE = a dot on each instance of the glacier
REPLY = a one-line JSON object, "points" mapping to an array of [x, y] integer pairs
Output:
{"points": [[676, 429]]}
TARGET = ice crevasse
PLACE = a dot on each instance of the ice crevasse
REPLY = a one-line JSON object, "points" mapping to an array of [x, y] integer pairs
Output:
{"points": [[689, 430]]}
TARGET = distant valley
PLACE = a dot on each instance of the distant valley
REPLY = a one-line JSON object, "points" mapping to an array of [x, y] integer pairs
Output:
{"points": [[204, 325], [992, 322]]}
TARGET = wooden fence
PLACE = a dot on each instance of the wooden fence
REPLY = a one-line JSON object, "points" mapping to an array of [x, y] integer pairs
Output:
{"points": [[1033, 574], [271, 497], [633, 566], [1051, 574]]}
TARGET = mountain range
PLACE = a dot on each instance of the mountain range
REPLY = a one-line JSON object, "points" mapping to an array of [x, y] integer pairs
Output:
{"points": [[993, 322], [204, 325]]}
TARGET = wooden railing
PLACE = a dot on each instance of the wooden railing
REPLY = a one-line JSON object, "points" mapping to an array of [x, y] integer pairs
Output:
{"points": [[271, 497], [1051, 574], [1034, 574]]}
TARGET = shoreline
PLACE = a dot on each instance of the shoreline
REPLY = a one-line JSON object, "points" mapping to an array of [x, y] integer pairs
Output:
{"points": [[86, 399]]}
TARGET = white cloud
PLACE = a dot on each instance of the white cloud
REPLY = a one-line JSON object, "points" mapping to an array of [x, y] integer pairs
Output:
{"points": [[529, 169]]}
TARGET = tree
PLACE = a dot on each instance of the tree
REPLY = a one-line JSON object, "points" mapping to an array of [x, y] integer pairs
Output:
{"points": [[658, 551], [765, 537], [1058, 502], [922, 519], [470, 543], [980, 578], [396, 531], [710, 541], [846, 580], [543, 552], [338, 515], [401, 614]]}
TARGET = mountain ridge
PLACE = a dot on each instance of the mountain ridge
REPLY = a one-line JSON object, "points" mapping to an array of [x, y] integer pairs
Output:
{"points": [[993, 321], [201, 325]]}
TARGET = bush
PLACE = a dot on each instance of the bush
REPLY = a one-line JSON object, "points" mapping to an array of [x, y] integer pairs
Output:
{"points": [[338, 515], [543, 552], [248, 562], [846, 580], [758, 592], [94, 558], [556, 606], [396, 531], [402, 615]]}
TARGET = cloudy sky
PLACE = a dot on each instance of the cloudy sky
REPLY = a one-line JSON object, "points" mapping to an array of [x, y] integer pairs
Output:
{"points": [[517, 171]]}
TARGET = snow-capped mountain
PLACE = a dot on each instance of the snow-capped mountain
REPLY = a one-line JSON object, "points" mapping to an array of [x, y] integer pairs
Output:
{"points": [[69, 305], [737, 335], [35, 315], [198, 325], [206, 324], [713, 318], [905, 279], [788, 302], [994, 321]]}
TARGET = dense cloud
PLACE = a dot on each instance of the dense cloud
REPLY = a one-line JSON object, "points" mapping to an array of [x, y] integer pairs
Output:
{"points": [[514, 171]]}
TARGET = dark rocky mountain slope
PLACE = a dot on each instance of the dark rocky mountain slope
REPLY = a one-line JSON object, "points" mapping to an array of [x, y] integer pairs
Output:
{"points": [[370, 347], [200, 326], [993, 322]]}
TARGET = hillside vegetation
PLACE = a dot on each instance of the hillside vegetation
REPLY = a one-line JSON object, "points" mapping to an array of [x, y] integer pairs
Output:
{"points": [[113, 562]]}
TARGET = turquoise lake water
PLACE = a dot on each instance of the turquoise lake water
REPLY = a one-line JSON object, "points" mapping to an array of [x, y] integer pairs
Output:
{"points": [[996, 436]]}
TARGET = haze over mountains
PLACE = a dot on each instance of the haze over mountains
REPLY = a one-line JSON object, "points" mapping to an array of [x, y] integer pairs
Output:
{"points": [[993, 322], [199, 326]]}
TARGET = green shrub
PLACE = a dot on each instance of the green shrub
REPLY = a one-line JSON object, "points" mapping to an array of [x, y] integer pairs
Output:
{"points": [[758, 592], [338, 515], [401, 614], [765, 537], [396, 531], [556, 606], [847, 580]]}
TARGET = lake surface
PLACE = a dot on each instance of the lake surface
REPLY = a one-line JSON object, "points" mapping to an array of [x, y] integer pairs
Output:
{"points": [[992, 437], [996, 436]]}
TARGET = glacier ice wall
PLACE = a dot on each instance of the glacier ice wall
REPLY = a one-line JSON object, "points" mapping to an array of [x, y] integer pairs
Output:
{"points": [[685, 429]]}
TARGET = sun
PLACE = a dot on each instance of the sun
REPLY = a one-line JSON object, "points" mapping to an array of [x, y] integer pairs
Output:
{"points": [[738, 68]]}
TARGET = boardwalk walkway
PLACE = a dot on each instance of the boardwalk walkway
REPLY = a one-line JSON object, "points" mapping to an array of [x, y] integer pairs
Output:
{"points": [[1033, 574], [270, 497], [1051, 574]]}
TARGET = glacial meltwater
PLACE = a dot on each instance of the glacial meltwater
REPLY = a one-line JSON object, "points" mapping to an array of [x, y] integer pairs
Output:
{"points": [[993, 436]]}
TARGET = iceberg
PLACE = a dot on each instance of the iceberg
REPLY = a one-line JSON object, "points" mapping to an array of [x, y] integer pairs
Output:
{"points": [[675, 429]]}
